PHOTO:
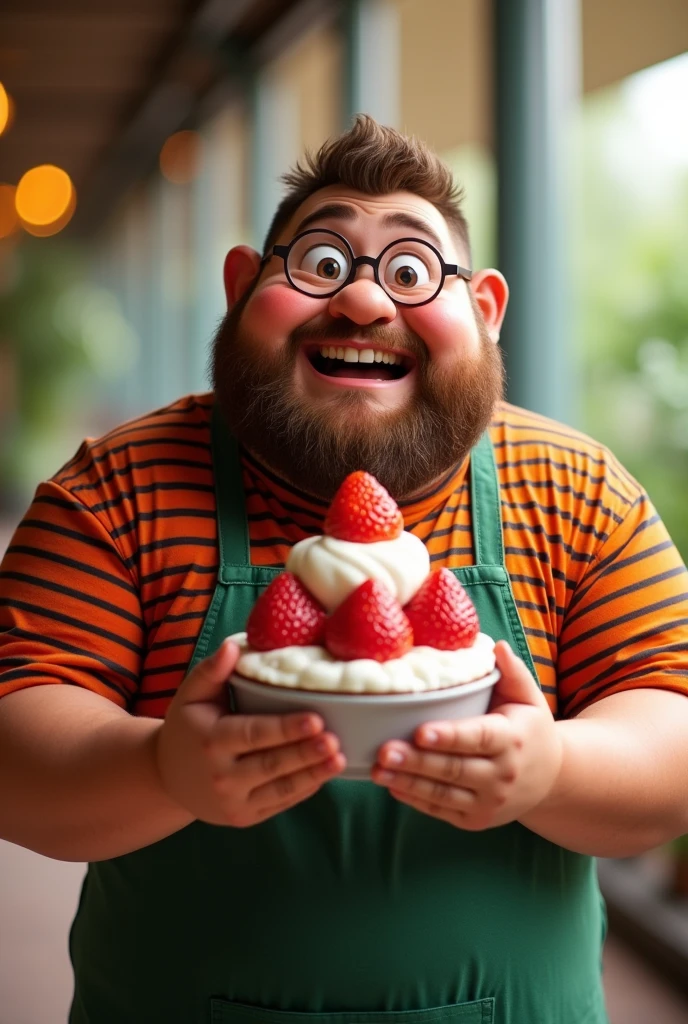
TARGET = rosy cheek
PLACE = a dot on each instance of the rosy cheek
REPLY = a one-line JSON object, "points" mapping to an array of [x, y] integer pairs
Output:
{"points": [[448, 329], [273, 312]]}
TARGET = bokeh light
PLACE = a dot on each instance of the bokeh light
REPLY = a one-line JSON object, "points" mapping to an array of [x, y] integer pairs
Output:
{"points": [[45, 200], [6, 109], [180, 157], [9, 221]]}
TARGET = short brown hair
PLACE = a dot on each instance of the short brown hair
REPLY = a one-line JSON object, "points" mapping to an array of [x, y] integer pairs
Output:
{"points": [[373, 158]]}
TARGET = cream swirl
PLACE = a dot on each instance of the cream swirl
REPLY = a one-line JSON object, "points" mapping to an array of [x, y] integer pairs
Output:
{"points": [[314, 668], [331, 569]]}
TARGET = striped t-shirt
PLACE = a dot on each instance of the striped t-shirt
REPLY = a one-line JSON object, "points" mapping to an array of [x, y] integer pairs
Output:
{"points": [[109, 576]]}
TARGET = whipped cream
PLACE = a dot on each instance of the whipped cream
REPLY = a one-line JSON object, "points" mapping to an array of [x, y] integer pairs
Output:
{"points": [[331, 569], [314, 668]]}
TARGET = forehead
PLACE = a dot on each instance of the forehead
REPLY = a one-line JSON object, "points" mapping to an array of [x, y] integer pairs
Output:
{"points": [[372, 213]]}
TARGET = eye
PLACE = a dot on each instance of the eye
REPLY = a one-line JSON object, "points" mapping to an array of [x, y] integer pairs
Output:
{"points": [[326, 262], [406, 271]]}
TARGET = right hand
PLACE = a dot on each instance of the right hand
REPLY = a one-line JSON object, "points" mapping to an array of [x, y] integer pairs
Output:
{"points": [[239, 769]]}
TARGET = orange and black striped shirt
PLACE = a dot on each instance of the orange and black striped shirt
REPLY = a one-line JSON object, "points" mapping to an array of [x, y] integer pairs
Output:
{"points": [[109, 576]]}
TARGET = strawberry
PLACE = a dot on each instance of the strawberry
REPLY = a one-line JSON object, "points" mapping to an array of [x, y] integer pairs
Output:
{"points": [[285, 614], [362, 510], [442, 614], [370, 623]]}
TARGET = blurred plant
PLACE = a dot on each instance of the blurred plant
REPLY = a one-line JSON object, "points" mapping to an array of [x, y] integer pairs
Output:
{"points": [[65, 339], [633, 266]]}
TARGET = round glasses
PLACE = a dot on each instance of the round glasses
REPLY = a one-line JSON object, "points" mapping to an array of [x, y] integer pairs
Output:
{"points": [[319, 262]]}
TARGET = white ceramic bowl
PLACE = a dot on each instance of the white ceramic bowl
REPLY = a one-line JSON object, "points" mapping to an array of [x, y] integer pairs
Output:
{"points": [[364, 721]]}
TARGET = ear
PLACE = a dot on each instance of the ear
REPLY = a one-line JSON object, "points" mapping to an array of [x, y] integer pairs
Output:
{"points": [[492, 295], [242, 266]]}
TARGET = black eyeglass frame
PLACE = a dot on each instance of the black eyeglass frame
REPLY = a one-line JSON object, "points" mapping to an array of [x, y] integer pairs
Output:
{"points": [[448, 269]]}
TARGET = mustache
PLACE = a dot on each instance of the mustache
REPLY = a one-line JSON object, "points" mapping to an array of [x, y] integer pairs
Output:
{"points": [[381, 337]]}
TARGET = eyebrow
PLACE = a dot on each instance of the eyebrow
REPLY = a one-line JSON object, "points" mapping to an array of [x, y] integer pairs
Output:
{"points": [[340, 211]]}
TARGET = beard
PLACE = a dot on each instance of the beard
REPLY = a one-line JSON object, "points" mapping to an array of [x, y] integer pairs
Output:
{"points": [[314, 446]]}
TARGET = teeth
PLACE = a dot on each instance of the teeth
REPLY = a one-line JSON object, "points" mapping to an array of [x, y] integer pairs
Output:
{"points": [[355, 355]]}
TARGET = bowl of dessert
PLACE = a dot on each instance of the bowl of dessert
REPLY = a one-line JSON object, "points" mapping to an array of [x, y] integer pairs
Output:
{"points": [[359, 629]]}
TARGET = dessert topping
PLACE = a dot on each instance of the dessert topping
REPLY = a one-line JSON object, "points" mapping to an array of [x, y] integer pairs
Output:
{"points": [[363, 511], [285, 615], [370, 623], [442, 614]]}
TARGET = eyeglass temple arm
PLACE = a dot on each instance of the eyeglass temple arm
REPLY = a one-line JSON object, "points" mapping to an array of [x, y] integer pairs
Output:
{"points": [[454, 268]]}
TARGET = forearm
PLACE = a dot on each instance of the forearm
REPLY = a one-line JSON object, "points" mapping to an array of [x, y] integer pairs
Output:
{"points": [[621, 787], [79, 778]]}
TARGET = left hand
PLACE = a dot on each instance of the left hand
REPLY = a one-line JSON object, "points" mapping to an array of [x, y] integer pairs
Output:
{"points": [[476, 773]]}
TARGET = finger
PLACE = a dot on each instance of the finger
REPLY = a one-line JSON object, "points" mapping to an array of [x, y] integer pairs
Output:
{"points": [[263, 766], [287, 790], [483, 736], [457, 818], [515, 684], [474, 773], [207, 681], [430, 791], [242, 734], [263, 813]]}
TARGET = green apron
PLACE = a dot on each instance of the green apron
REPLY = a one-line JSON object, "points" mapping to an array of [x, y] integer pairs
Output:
{"points": [[350, 908]]}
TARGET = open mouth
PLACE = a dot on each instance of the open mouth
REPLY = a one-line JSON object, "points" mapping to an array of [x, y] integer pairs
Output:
{"points": [[359, 363]]}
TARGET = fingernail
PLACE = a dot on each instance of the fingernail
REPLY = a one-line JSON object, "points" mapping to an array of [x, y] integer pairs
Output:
{"points": [[322, 747], [430, 736], [394, 757], [308, 726], [385, 777]]}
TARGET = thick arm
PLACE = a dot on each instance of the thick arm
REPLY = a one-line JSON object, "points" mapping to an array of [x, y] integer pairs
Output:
{"points": [[78, 776], [623, 784]]}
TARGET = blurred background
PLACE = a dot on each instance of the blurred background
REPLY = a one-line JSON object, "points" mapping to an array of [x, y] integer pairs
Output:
{"points": [[139, 140]]}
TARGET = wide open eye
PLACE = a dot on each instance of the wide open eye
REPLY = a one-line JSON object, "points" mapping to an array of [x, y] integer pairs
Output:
{"points": [[406, 272], [323, 261]]}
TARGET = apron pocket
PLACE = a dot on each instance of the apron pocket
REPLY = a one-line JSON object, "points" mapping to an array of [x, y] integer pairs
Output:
{"points": [[480, 1011]]}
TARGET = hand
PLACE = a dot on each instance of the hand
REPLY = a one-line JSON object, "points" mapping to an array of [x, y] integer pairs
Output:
{"points": [[239, 769], [477, 773]]}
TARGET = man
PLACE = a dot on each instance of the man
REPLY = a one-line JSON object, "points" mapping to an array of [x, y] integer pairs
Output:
{"points": [[233, 876]]}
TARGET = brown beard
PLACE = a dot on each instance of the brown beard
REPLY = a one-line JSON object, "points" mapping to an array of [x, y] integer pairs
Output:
{"points": [[316, 447]]}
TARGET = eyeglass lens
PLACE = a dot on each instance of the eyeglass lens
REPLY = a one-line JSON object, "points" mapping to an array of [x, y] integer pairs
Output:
{"points": [[319, 263]]}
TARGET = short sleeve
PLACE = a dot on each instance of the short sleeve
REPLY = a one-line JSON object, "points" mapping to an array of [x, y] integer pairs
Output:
{"points": [[69, 607], [626, 625]]}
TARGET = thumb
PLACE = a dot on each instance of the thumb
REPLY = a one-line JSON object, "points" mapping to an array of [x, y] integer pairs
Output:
{"points": [[516, 684], [207, 681]]}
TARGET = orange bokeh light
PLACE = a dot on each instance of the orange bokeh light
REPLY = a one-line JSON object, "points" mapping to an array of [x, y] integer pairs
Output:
{"points": [[180, 157], [45, 200], [9, 221], [6, 109]]}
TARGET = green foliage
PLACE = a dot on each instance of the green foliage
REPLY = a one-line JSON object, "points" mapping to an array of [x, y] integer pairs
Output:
{"points": [[633, 265]]}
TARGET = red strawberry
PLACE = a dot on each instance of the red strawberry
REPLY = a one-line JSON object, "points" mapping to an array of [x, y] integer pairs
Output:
{"points": [[370, 623], [362, 510], [285, 614], [442, 613]]}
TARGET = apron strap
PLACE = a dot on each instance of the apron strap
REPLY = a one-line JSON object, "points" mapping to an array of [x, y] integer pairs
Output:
{"points": [[486, 510], [232, 526]]}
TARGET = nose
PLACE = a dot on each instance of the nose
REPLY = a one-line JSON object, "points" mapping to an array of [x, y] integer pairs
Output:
{"points": [[364, 302]]}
